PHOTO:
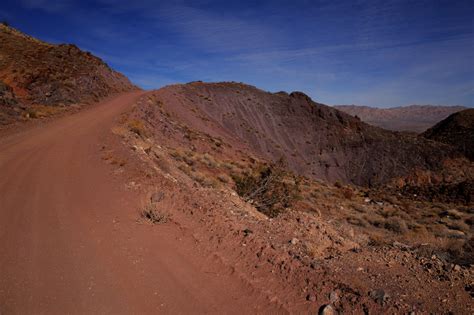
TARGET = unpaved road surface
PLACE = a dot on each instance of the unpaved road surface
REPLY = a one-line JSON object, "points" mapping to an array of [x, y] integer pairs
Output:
{"points": [[69, 243]]}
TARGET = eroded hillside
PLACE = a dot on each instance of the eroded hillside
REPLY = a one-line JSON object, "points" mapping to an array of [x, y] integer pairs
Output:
{"points": [[35, 73], [316, 140], [309, 244]]}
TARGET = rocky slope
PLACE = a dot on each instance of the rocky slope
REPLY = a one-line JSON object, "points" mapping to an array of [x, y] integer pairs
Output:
{"points": [[456, 130], [336, 247], [316, 140], [33, 72], [415, 118]]}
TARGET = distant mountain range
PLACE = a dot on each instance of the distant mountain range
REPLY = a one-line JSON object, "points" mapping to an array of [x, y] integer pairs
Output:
{"points": [[415, 118]]}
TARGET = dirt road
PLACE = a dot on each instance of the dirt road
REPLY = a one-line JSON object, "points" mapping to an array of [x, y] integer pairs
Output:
{"points": [[69, 243]]}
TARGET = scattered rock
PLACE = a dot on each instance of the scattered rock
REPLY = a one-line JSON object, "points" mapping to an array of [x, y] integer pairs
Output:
{"points": [[327, 310], [379, 296], [333, 297], [294, 241], [311, 298], [247, 232]]}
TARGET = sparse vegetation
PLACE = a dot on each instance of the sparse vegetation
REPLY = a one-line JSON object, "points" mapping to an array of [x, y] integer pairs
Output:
{"points": [[152, 215], [271, 189], [42, 111], [137, 126]]}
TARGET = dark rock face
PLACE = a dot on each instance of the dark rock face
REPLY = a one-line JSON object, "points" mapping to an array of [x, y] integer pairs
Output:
{"points": [[456, 130]]}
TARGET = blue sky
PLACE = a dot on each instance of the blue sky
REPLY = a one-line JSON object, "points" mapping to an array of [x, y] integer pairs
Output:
{"points": [[376, 53]]}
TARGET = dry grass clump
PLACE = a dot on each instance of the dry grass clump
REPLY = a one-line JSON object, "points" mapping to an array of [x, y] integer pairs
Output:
{"points": [[358, 221], [203, 179], [270, 188], [152, 215], [137, 126], [42, 111], [347, 193], [209, 160], [396, 225]]}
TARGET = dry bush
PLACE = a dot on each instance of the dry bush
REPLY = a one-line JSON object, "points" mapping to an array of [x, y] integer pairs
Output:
{"points": [[396, 224], [271, 189], [40, 111], [137, 126], [152, 215], [357, 221], [359, 208], [347, 193], [209, 161], [223, 178], [455, 251], [458, 226], [203, 180]]}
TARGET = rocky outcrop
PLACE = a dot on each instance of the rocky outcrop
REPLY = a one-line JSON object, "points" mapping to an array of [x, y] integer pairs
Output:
{"points": [[456, 130]]}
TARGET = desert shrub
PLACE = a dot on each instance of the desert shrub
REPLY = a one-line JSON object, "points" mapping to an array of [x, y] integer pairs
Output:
{"points": [[271, 189], [151, 214], [458, 226], [137, 126], [375, 220], [359, 208], [357, 221], [223, 178], [396, 224], [209, 160], [203, 179], [347, 193]]}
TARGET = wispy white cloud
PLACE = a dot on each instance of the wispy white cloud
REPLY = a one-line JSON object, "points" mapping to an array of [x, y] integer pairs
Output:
{"points": [[213, 32], [366, 51]]}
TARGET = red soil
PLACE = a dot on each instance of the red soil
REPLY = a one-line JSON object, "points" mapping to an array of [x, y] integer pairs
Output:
{"points": [[69, 242]]}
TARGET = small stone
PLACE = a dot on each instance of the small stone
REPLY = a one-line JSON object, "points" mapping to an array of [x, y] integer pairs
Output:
{"points": [[333, 297], [366, 200], [457, 268], [247, 232], [327, 310], [379, 296], [294, 241], [311, 298]]}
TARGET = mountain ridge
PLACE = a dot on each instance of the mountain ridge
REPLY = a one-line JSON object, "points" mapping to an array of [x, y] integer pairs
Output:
{"points": [[36, 73], [412, 118], [316, 140]]}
